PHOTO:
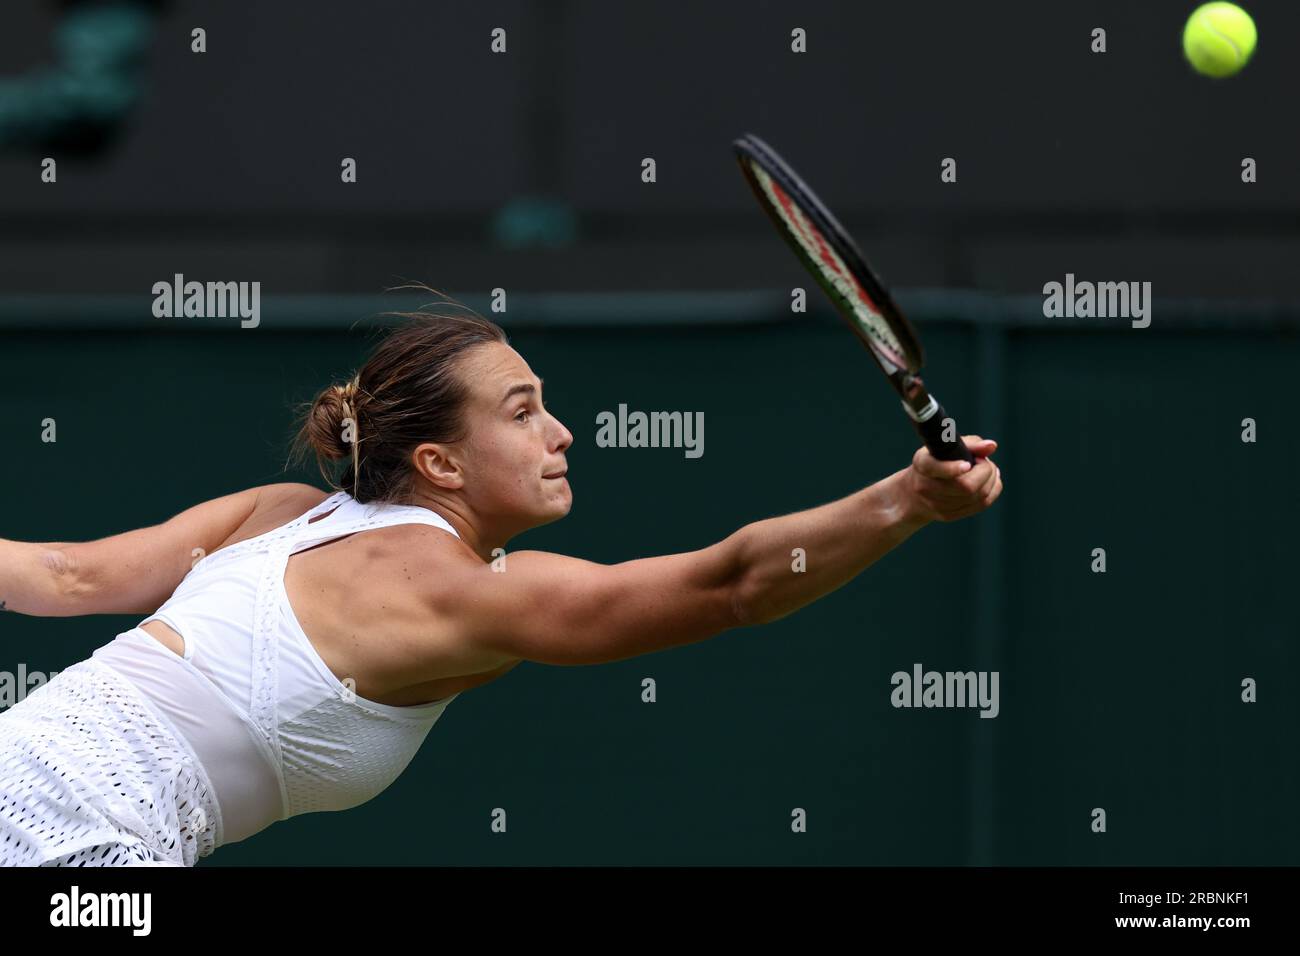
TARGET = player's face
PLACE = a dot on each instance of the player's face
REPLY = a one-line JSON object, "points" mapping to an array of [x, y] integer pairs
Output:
{"points": [[513, 453]]}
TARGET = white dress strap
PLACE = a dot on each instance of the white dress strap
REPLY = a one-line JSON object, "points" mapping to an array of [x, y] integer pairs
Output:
{"points": [[352, 516], [329, 504], [349, 516]]}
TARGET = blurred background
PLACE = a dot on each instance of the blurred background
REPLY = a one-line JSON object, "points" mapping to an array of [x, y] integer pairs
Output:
{"points": [[522, 171]]}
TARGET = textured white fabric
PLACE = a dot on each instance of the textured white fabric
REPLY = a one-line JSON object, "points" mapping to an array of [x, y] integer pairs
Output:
{"points": [[86, 762], [239, 762], [247, 728]]}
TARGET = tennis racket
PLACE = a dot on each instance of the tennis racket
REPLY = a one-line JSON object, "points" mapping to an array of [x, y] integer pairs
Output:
{"points": [[859, 296]]}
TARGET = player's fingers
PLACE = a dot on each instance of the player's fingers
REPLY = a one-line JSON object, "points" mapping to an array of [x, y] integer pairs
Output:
{"points": [[980, 447], [954, 501], [987, 484], [995, 491], [932, 467], [925, 462], [973, 483], [985, 499]]}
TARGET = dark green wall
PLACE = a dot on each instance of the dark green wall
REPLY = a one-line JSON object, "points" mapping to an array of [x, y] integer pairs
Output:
{"points": [[1118, 690]]}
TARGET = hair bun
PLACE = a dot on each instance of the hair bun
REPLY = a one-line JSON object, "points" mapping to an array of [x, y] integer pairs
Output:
{"points": [[348, 392], [325, 424], [413, 388]]}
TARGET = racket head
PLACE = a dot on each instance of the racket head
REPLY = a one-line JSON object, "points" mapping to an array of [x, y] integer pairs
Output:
{"points": [[830, 254]]}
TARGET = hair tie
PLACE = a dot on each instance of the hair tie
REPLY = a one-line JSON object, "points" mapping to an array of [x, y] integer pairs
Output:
{"points": [[348, 394]]}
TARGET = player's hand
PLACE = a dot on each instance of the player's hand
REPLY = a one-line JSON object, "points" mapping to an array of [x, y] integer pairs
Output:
{"points": [[946, 490]]}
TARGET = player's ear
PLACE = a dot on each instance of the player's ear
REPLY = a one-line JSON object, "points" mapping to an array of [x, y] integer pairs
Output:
{"points": [[437, 463]]}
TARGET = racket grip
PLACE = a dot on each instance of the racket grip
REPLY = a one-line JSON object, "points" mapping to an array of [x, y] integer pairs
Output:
{"points": [[931, 432]]}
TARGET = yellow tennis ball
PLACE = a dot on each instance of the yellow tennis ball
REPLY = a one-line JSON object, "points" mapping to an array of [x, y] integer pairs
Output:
{"points": [[1219, 38]]}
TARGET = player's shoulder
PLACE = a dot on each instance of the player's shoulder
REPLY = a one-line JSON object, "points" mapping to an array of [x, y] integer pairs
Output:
{"points": [[435, 565], [286, 495]]}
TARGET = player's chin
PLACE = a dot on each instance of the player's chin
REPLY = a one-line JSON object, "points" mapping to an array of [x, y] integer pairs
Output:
{"points": [[556, 501]]}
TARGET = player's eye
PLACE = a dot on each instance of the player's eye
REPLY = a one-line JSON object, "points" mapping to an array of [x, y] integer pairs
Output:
{"points": [[522, 412]]}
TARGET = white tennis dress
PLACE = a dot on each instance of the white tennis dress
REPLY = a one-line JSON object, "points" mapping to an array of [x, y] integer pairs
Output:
{"points": [[140, 756]]}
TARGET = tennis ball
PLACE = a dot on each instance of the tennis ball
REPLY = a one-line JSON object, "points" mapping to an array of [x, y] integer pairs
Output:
{"points": [[1218, 39]]}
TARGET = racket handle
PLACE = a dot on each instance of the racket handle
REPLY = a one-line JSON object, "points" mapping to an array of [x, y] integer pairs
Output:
{"points": [[931, 432]]}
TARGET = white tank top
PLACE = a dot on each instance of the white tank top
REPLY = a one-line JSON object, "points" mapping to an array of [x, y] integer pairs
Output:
{"points": [[277, 732]]}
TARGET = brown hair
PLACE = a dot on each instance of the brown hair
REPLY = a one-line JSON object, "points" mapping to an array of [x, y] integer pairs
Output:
{"points": [[408, 392]]}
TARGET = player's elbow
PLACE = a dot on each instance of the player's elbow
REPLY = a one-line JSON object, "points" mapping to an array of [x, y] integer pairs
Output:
{"points": [[637, 625], [561, 612], [63, 591], [743, 606], [753, 601]]}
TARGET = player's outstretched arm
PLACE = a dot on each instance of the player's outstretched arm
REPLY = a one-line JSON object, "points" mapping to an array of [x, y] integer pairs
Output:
{"points": [[554, 609], [129, 573], [841, 539]]}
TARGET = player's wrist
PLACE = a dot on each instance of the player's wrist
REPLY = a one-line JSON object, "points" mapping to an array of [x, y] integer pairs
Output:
{"points": [[906, 508]]}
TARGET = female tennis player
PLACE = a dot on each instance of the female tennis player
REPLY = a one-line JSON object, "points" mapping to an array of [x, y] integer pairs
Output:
{"points": [[299, 645]]}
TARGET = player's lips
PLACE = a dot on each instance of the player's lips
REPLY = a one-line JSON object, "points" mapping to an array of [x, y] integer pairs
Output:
{"points": [[558, 474]]}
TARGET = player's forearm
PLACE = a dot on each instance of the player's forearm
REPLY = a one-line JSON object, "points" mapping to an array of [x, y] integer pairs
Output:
{"points": [[832, 543], [34, 578]]}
